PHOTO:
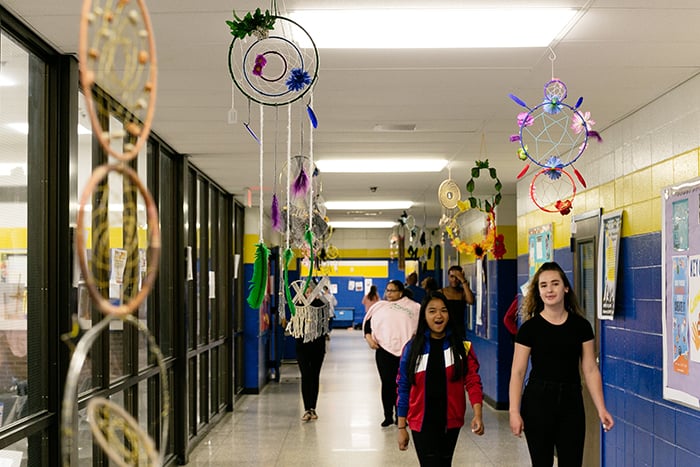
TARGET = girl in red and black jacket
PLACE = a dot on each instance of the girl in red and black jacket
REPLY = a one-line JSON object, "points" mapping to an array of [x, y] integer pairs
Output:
{"points": [[435, 369]]}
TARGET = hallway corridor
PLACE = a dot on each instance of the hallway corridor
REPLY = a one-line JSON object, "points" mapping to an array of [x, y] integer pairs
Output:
{"points": [[267, 430]]}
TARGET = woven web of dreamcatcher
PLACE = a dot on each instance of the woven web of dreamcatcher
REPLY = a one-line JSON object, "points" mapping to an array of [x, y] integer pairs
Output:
{"points": [[553, 190], [295, 213], [117, 56], [276, 67], [553, 133]]}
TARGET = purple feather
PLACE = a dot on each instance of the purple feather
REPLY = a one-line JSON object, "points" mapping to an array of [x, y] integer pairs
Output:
{"points": [[275, 214], [514, 138], [518, 101], [301, 184], [595, 134], [578, 103], [312, 116]]}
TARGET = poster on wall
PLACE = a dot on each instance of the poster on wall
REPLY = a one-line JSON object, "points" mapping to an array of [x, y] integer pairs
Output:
{"points": [[540, 247], [680, 232], [608, 255]]}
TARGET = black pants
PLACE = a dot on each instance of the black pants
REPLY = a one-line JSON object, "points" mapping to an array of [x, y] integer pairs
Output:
{"points": [[435, 447], [553, 415], [310, 358], [388, 367]]}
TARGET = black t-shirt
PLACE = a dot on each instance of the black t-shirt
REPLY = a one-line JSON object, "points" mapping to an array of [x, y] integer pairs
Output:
{"points": [[555, 350], [435, 417]]}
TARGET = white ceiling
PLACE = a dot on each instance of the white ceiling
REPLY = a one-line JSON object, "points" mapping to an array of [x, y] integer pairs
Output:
{"points": [[618, 54]]}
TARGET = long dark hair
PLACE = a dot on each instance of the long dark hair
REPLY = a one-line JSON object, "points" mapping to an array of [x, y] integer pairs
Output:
{"points": [[459, 354], [372, 294], [533, 304]]}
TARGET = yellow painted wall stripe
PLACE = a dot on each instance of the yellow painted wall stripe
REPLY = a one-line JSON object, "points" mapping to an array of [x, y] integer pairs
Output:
{"points": [[638, 194]]}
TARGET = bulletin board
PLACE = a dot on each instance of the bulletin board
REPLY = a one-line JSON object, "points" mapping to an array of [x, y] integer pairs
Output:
{"points": [[680, 229], [540, 247]]}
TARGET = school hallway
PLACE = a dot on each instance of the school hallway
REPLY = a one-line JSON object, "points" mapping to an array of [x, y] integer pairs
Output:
{"points": [[267, 430]]}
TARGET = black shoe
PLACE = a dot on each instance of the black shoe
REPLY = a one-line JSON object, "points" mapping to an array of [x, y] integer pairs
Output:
{"points": [[387, 422]]}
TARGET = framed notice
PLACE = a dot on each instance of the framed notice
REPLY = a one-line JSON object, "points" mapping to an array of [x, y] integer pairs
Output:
{"points": [[608, 256], [540, 248], [680, 292]]}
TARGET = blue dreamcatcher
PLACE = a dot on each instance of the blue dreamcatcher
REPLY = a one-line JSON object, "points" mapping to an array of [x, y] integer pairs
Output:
{"points": [[553, 135]]}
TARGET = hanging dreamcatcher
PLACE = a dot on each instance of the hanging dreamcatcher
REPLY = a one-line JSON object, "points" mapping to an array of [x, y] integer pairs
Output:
{"points": [[117, 59], [553, 135], [456, 221], [273, 61]]}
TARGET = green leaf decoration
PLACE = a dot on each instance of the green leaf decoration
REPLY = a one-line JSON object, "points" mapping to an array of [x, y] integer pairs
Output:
{"points": [[288, 256], [488, 206], [258, 283], [309, 237], [258, 21]]}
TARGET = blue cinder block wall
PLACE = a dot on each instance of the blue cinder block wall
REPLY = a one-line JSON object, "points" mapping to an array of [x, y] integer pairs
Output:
{"points": [[495, 353]]}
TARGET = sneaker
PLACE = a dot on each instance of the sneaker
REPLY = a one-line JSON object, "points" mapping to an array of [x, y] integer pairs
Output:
{"points": [[387, 422], [314, 415], [307, 416]]}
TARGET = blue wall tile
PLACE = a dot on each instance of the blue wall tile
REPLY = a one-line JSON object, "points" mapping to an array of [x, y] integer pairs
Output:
{"points": [[665, 422], [664, 453]]}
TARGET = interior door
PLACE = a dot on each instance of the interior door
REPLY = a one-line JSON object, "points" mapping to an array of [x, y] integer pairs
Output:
{"points": [[584, 243]]}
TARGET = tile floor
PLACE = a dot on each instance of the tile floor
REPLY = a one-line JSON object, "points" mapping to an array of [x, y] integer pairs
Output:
{"points": [[267, 430]]}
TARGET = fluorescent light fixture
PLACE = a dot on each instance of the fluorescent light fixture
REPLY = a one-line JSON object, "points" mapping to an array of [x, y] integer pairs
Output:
{"points": [[6, 82], [23, 127], [362, 224], [366, 205], [435, 28], [7, 168], [380, 165], [19, 127]]}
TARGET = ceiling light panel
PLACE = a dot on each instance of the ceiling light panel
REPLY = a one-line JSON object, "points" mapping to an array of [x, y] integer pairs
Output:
{"points": [[366, 205], [463, 28], [380, 165]]}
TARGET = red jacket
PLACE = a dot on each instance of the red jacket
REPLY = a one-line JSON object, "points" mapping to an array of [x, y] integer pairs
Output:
{"points": [[411, 398]]}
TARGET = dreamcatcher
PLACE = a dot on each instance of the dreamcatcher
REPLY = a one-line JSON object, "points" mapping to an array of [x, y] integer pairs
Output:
{"points": [[273, 61], [455, 221], [117, 56], [553, 135], [117, 53]]}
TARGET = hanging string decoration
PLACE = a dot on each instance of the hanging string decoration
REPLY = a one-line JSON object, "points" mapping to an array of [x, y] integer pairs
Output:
{"points": [[553, 135], [272, 59], [117, 62], [118, 57], [297, 204]]}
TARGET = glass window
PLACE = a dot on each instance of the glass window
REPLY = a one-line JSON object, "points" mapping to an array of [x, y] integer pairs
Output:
{"points": [[22, 133]]}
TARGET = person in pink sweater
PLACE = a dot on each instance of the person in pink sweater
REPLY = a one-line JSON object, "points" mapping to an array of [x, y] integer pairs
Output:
{"points": [[388, 325]]}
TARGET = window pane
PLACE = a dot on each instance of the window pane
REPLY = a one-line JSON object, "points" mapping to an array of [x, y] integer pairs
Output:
{"points": [[21, 131]]}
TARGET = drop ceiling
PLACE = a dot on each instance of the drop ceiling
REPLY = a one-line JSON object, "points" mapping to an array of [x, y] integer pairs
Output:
{"points": [[446, 103]]}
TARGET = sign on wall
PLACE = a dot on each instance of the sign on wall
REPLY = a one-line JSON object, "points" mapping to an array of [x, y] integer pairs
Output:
{"points": [[540, 247], [608, 254], [680, 264]]}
